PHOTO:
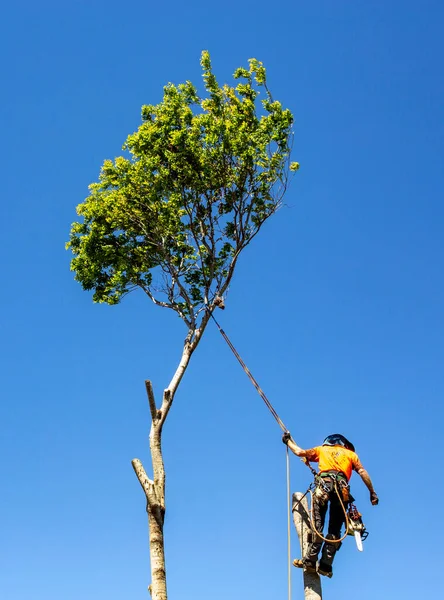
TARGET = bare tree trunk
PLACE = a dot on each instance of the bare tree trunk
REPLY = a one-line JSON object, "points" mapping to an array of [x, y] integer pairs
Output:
{"points": [[156, 514], [301, 518], [154, 489], [158, 588]]}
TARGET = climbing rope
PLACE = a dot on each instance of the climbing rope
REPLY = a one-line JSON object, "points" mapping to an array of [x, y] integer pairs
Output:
{"points": [[284, 429], [304, 460], [288, 524]]}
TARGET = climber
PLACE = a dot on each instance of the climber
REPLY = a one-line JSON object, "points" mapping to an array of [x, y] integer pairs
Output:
{"points": [[337, 459]]}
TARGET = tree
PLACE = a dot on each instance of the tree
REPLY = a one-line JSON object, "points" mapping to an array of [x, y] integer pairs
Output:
{"points": [[199, 178], [301, 519]]}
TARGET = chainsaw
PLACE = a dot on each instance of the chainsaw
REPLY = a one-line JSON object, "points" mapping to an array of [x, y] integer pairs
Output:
{"points": [[356, 526]]}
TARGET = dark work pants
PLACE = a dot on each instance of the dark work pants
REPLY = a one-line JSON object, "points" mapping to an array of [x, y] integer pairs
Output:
{"points": [[321, 500]]}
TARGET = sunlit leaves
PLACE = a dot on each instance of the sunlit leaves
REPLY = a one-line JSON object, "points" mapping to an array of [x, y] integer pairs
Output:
{"points": [[201, 175]]}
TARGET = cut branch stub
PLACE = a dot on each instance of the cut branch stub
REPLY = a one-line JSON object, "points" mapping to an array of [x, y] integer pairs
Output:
{"points": [[151, 400], [301, 518], [146, 483]]}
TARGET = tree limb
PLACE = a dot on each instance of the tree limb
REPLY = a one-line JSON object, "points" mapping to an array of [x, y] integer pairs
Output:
{"points": [[189, 348], [165, 304], [146, 483]]}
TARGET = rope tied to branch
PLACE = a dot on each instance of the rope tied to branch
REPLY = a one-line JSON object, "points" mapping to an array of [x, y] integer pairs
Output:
{"points": [[220, 303]]}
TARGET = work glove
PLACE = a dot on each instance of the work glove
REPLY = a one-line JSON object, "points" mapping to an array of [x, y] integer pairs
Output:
{"points": [[286, 437], [374, 498]]}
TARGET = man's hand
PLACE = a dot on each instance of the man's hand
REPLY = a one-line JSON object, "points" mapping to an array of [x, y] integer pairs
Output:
{"points": [[374, 498], [368, 482], [286, 437]]}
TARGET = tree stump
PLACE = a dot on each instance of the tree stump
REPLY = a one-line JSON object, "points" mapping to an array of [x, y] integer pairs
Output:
{"points": [[301, 519]]}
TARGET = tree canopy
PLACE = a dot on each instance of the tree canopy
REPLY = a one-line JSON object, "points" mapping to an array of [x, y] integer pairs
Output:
{"points": [[198, 179]]}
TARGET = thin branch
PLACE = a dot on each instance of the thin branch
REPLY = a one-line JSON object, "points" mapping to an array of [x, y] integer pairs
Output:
{"points": [[175, 276], [230, 273], [189, 348], [172, 306], [156, 302], [193, 232]]}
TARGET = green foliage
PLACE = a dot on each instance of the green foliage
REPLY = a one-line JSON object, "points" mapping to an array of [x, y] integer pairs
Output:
{"points": [[200, 178]]}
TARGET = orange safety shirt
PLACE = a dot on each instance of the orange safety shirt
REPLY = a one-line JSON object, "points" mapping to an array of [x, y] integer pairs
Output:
{"points": [[334, 458]]}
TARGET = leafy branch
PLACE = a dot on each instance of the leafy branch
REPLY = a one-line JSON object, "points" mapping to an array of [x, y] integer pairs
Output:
{"points": [[200, 178]]}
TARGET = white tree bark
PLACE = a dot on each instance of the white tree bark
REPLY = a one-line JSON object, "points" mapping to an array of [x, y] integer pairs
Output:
{"points": [[301, 518], [156, 515], [154, 489]]}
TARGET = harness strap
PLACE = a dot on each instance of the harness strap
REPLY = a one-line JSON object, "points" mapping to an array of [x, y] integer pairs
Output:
{"points": [[333, 474]]}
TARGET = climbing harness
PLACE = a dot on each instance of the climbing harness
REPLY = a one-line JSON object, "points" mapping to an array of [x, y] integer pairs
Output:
{"points": [[353, 518], [338, 493]]}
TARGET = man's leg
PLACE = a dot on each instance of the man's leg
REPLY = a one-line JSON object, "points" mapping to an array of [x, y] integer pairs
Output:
{"points": [[319, 508], [337, 519]]}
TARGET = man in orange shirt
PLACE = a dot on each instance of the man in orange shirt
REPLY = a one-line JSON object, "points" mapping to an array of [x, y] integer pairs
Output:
{"points": [[337, 459]]}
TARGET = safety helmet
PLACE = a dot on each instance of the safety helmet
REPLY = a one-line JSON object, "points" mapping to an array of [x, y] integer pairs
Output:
{"points": [[336, 439]]}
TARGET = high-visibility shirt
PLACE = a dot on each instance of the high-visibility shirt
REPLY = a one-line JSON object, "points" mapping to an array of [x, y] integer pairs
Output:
{"points": [[334, 458]]}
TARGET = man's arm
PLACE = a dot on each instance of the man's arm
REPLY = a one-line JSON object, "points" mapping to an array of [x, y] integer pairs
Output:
{"points": [[368, 482], [296, 449], [289, 441]]}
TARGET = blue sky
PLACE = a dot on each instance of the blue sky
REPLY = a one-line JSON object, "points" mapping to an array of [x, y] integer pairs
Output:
{"points": [[337, 307]]}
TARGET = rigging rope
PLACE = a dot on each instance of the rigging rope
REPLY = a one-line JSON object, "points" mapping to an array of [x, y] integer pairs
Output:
{"points": [[254, 382], [250, 375], [304, 460], [284, 429]]}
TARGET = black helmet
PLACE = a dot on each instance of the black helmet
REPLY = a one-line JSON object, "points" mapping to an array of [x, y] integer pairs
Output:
{"points": [[336, 439]]}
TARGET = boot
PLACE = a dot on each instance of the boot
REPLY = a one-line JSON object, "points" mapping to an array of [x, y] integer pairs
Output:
{"points": [[325, 570], [311, 556], [302, 563], [329, 550], [309, 565]]}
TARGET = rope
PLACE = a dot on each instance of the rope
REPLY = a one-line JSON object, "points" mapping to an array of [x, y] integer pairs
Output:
{"points": [[285, 430], [288, 525], [345, 513], [300, 499], [250, 375], [255, 383], [304, 460]]}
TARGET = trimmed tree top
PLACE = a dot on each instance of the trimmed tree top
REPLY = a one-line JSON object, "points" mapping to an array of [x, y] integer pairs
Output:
{"points": [[199, 178]]}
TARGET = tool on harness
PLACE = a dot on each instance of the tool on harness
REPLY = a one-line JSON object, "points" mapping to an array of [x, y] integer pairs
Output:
{"points": [[338, 482], [356, 527]]}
